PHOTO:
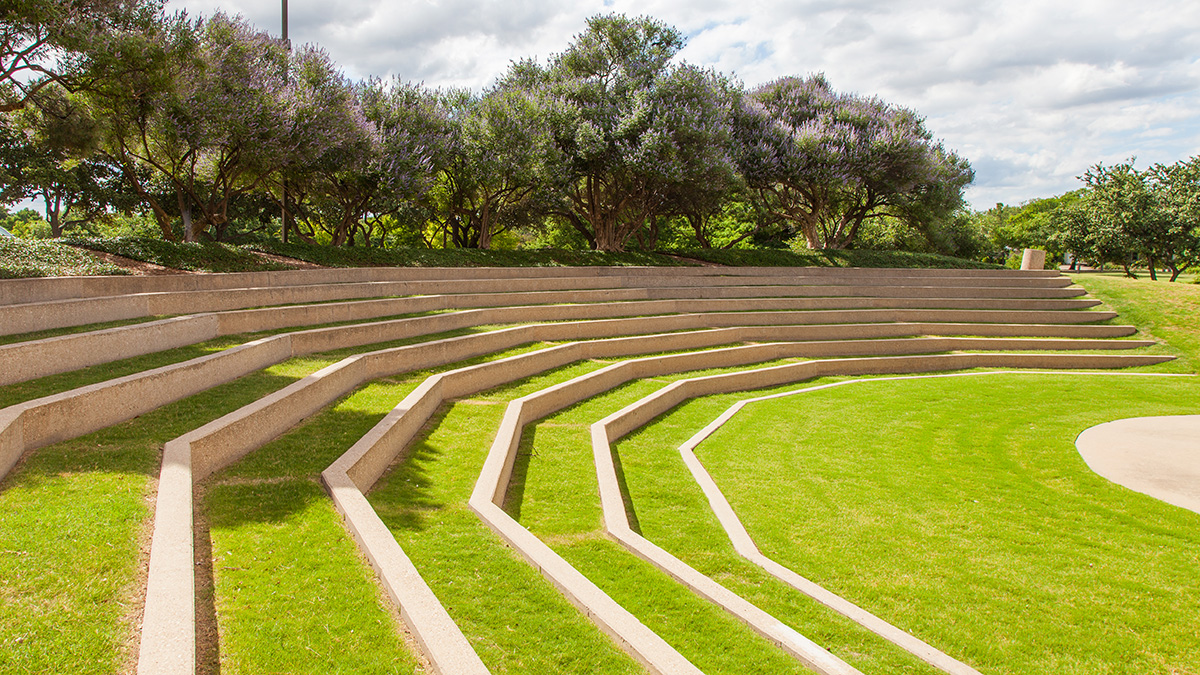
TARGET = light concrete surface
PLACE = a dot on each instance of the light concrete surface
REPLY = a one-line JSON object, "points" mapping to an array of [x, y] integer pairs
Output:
{"points": [[44, 315], [1033, 259], [22, 361], [1156, 456], [15, 291], [87, 409], [167, 642], [28, 360]]}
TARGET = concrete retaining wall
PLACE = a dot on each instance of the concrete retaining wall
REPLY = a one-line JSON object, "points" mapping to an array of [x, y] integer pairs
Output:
{"points": [[14, 291], [44, 315]]}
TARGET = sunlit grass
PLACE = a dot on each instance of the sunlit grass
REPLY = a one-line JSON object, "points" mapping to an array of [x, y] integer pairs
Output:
{"points": [[958, 509]]}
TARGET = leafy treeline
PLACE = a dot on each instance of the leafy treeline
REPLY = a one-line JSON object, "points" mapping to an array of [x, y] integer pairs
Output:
{"points": [[211, 128], [1122, 216]]}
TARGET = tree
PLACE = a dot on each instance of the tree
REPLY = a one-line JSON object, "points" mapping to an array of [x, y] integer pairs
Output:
{"points": [[502, 168], [385, 172], [827, 162], [1126, 214], [63, 42], [634, 130], [55, 161], [1177, 193]]}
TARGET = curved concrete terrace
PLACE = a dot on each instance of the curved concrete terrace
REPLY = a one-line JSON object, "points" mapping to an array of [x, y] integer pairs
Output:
{"points": [[317, 389], [62, 416], [23, 361], [371, 456], [45, 315], [196, 455]]}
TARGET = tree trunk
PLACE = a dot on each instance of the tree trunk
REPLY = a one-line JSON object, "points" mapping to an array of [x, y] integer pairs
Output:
{"points": [[52, 214]]}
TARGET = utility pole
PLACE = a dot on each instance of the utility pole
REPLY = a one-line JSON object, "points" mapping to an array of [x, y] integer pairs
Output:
{"points": [[285, 216]]}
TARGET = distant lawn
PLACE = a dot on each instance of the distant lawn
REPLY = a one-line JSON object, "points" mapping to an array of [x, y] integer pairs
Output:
{"points": [[21, 258], [1167, 311]]}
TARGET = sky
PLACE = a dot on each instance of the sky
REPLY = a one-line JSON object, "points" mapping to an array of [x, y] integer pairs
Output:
{"points": [[1032, 92]]}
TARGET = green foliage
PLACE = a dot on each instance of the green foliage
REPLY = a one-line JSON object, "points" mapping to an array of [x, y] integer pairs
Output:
{"points": [[1127, 214], [36, 258], [426, 257], [194, 256], [801, 256]]}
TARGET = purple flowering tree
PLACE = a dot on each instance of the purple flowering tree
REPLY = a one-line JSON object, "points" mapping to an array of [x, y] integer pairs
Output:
{"points": [[501, 168], [824, 162], [394, 140]]}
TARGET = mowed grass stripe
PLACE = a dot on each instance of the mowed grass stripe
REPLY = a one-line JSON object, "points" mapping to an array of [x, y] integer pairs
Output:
{"points": [[557, 460], [65, 605], [960, 510], [514, 619]]}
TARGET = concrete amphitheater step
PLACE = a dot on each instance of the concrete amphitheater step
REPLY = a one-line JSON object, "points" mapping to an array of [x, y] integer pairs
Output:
{"points": [[44, 421], [31, 316], [21, 361], [70, 414], [364, 463], [14, 291], [225, 440]]}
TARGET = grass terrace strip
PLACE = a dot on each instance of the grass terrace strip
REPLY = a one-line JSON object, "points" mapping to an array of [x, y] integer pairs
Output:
{"points": [[956, 507], [497, 472]]}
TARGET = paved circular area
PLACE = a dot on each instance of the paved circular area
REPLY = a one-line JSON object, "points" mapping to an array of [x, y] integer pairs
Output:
{"points": [[1157, 456]]}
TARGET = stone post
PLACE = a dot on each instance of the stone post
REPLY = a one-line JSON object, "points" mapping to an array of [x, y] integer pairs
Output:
{"points": [[1033, 259]]}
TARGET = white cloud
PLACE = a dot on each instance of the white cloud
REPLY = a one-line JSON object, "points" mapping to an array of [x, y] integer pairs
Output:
{"points": [[1031, 91]]}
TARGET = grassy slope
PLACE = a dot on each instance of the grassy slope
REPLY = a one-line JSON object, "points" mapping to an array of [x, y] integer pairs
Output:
{"points": [[1169, 312], [51, 258]]}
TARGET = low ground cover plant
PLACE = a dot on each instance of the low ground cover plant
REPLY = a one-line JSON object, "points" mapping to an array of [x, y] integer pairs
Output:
{"points": [[22, 258], [191, 256]]}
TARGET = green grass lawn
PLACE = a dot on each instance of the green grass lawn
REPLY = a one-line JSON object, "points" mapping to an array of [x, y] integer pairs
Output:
{"points": [[1166, 311], [957, 509]]}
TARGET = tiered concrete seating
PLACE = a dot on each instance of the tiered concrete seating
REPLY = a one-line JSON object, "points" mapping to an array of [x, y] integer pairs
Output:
{"points": [[853, 321]]}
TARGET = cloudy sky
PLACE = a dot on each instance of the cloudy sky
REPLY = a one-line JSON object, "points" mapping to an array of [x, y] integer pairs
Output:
{"points": [[1033, 92]]}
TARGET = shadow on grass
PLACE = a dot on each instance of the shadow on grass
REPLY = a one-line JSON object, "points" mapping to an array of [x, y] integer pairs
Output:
{"points": [[74, 516], [514, 497], [626, 498]]}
